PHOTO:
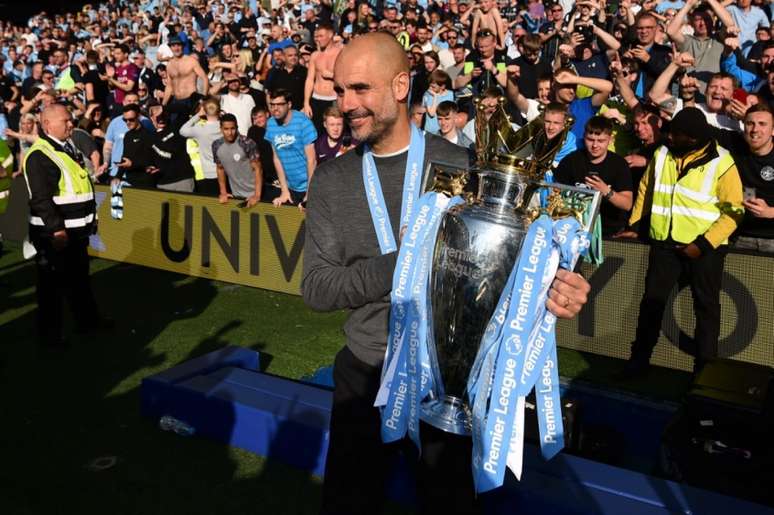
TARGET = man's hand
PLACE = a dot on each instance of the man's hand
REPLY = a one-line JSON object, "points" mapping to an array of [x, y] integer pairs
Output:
{"points": [[691, 251], [565, 78], [640, 54], [568, 293], [596, 182], [614, 114], [125, 163], [514, 71], [566, 51], [731, 44], [253, 200], [688, 87], [576, 39], [223, 197], [626, 234], [683, 60], [59, 240], [282, 198], [736, 109], [759, 208], [636, 161]]}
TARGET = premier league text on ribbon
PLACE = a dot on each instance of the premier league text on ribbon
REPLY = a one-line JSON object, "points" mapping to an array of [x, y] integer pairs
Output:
{"points": [[514, 346]]}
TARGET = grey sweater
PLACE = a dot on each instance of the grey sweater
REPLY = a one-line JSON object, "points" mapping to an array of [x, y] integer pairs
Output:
{"points": [[343, 265], [204, 134]]}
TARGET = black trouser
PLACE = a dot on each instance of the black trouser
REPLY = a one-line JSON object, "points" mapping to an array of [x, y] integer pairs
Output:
{"points": [[208, 187], [181, 109], [63, 273], [358, 462], [667, 266], [318, 113]]}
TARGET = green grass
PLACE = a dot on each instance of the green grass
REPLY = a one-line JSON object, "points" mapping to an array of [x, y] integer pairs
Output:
{"points": [[60, 412]]}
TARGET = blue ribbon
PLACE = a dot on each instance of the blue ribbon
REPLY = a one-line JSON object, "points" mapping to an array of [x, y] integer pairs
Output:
{"points": [[518, 352], [523, 304], [406, 377], [375, 196]]}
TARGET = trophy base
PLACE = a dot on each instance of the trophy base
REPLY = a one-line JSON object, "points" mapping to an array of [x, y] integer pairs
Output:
{"points": [[448, 413]]}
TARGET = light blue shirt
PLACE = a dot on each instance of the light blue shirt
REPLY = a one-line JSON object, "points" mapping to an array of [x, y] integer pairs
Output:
{"points": [[115, 135], [663, 6], [748, 22], [289, 141], [431, 122]]}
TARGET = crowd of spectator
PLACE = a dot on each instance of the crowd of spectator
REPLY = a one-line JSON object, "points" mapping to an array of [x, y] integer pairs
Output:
{"points": [[236, 98]]}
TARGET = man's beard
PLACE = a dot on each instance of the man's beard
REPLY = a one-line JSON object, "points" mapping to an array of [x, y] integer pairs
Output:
{"points": [[378, 128]]}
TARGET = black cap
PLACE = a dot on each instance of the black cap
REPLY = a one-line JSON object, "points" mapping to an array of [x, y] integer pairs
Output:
{"points": [[174, 40], [691, 122]]}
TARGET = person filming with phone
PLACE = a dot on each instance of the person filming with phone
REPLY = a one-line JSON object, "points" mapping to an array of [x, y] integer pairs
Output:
{"points": [[593, 166]]}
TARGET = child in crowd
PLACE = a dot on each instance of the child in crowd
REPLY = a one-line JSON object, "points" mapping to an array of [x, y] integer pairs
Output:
{"points": [[436, 93]]}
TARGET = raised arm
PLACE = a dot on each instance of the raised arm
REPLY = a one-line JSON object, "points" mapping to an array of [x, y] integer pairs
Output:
{"points": [[606, 38], [512, 90], [602, 88], [722, 13], [661, 90], [675, 27]]}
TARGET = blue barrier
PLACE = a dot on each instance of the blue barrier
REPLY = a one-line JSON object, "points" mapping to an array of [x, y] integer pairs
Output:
{"points": [[226, 398]]}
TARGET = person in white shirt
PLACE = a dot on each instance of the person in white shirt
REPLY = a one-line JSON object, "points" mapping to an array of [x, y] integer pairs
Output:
{"points": [[718, 95], [204, 127], [237, 103]]}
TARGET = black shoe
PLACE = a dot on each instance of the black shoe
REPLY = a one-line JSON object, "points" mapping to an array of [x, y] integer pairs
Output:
{"points": [[632, 370]]}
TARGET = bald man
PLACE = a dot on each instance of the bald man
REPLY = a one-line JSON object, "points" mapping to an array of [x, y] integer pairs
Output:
{"points": [[344, 267], [62, 217]]}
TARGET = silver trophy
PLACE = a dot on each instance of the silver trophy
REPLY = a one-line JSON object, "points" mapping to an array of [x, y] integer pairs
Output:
{"points": [[477, 245]]}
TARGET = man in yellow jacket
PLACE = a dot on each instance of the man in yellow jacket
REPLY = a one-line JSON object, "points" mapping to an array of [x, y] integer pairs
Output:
{"points": [[691, 199]]}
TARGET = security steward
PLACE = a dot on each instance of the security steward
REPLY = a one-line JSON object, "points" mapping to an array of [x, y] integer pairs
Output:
{"points": [[692, 194], [62, 217]]}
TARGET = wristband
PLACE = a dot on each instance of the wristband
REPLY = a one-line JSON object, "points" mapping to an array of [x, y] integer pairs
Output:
{"points": [[609, 194]]}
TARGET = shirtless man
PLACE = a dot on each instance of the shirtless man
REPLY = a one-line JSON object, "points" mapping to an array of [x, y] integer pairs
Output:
{"points": [[318, 91], [180, 94], [487, 16]]}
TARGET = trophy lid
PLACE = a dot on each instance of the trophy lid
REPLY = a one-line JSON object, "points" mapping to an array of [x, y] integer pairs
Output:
{"points": [[526, 151]]}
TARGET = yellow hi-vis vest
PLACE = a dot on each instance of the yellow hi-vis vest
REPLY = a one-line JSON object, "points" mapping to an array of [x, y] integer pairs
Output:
{"points": [[75, 195], [685, 208], [6, 162], [192, 147], [66, 81]]}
